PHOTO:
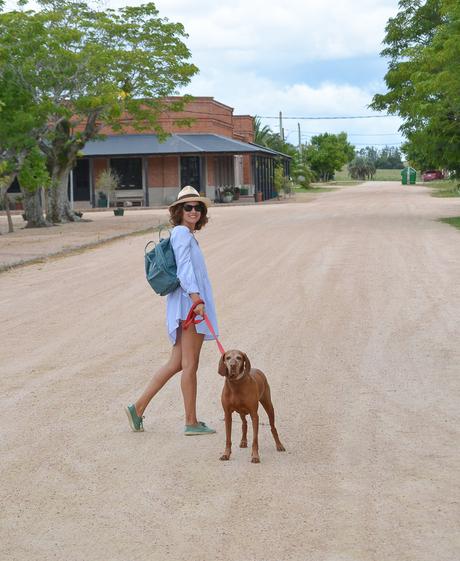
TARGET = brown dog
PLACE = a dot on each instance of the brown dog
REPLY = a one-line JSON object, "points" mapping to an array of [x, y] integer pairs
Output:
{"points": [[243, 389]]}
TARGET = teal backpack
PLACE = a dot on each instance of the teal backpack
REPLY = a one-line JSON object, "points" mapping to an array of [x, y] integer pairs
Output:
{"points": [[160, 266]]}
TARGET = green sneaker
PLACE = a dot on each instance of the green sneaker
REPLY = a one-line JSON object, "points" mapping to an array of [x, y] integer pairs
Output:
{"points": [[200, 428], [135, 422]]}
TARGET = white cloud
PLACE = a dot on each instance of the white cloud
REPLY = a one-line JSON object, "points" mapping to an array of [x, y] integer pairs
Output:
{"points": [[304, 30], [251, 94], [242, 48]]}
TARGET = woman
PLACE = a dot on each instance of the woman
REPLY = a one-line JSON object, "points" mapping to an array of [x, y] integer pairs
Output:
{"points": [[188, 214]]}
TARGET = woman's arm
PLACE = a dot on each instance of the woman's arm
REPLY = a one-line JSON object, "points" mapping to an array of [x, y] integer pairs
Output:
{"points": [[181, 240]]}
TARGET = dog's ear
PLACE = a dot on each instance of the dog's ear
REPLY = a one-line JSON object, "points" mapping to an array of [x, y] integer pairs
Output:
{"points": [[222, 370], [247, 364]]}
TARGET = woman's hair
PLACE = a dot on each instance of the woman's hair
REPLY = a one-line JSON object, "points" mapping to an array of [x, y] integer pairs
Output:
{"points": [[177, 211]]}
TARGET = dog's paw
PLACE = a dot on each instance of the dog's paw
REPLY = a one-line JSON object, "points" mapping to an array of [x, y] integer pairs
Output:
{"points": [[255, 460], [225, 457], [244, 444], [280, 448]]}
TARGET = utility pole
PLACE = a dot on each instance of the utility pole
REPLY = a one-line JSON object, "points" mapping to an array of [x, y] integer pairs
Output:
{"points": [[300, 139], [281, 127]]}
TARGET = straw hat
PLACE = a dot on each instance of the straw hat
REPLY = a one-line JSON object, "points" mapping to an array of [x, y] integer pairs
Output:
{"points": [[190, 194]]}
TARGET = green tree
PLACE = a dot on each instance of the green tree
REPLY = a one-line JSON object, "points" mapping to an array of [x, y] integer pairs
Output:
{"points": [[301, 171], [33, 176], [423, 80], [107, 183], [280, 181], [22, 122], [362, 167], [264, 136], [388, 157], [261, 133], [275, 142], [92, 68], [6, 178], [328, 153]]}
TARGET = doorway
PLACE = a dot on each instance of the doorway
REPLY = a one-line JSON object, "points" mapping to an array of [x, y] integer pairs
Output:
{"points": [[190, 172]]}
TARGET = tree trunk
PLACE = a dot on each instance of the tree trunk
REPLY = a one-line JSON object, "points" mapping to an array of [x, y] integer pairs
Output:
{"points": [[6, 204], [33, 209], [59, 209]]}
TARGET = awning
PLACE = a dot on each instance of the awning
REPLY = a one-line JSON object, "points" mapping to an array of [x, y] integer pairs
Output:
{"points": [[186, 144]]}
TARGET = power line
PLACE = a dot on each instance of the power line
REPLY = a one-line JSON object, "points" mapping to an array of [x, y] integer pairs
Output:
{"points": [[324, 118], [353, 133], [307, 135], [369, 144]]}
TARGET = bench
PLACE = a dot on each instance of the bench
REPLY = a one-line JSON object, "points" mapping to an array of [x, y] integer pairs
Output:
{"points": [[134, 197]]}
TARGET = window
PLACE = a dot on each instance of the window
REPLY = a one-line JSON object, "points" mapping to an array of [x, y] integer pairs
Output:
{"points": [[81, 181], [129, 171]]}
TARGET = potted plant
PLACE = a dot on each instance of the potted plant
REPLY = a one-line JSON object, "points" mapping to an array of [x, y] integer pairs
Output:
{"points": [[18, 203], [228, 195], [101, 199], [119, 211], [107, 183]]}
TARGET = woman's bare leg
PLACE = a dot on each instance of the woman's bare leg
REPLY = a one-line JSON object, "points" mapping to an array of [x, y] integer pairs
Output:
{"points": [[191, 348], [161, 376]]}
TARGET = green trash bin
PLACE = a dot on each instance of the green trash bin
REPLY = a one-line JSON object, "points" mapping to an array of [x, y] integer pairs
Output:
{"points": [[404, 175], [408, 176]]}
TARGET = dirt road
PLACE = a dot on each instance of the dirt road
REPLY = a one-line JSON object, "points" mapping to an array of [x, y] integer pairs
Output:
{"points": [[350, 304]]}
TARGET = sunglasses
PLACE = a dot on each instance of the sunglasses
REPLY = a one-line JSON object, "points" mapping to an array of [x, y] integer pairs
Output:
{"points": [[189, 208]]}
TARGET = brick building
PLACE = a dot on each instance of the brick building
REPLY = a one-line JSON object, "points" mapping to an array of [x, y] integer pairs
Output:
{"points": [[214, 152]]}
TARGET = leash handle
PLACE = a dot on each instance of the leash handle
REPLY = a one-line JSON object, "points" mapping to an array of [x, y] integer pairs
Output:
{"points": [[191, 319]]}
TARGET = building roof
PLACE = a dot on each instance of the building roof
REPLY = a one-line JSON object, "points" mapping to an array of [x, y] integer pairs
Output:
{"points": [[192, 144], [270, 150]]}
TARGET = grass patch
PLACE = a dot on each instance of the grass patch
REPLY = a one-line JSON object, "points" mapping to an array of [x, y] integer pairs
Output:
{"points": [[388, 175], [453, 221], [443, 188], [380, 175], [342, 175], [336, 183]]}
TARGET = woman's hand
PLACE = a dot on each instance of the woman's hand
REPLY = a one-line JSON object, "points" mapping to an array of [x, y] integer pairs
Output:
{"points": [[199, 310]]}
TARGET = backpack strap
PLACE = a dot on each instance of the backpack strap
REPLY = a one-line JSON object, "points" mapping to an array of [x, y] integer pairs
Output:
{"points": [[160, 229], [147, 245], [163, 228]]}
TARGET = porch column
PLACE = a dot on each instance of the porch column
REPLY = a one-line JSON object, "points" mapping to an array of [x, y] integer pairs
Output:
{"points": [[145, 181], [92, 194], [204, 173]]}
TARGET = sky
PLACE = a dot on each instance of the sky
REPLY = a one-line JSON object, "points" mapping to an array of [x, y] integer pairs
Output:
{"points": [[305, 58]]}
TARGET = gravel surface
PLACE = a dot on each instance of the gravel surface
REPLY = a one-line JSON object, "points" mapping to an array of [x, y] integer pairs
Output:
{"points": [[350, 305], [25, 245]]}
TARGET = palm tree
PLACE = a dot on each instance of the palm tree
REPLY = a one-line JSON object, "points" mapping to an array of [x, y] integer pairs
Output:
{"points": [[262, 134]]}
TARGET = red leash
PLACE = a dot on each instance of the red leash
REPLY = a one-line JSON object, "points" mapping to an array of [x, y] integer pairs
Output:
{"points": [[191, 318]]}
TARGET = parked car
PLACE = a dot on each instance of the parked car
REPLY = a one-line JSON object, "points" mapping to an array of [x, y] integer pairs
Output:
{"points": [[432, 174]]}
